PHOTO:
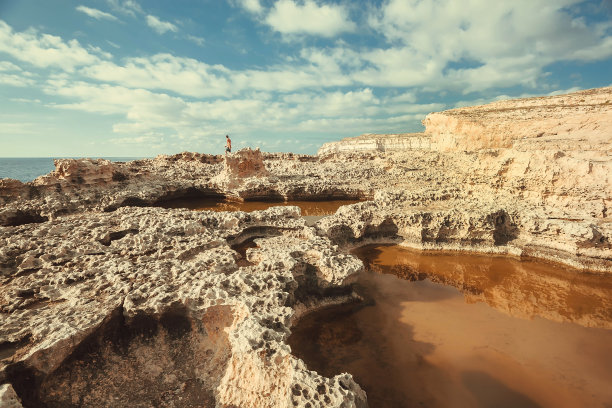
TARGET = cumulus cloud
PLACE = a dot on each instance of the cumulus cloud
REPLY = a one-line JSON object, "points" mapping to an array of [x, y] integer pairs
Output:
{"points": [[44, 50], [145, 111], [160, 26], [108, 99], [289, 17], [477, 45], [185, 76], [95, 13], [190, 77]]}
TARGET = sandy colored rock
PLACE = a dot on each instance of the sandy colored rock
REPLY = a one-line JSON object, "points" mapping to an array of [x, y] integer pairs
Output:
{"points": [[153, 300], [577, 121], [8, 398]]}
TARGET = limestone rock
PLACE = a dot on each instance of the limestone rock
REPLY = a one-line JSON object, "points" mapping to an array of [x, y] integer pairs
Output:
{"points": [[155, 300], [370, 142], [246, 166], [8, 398], [578, 120]]}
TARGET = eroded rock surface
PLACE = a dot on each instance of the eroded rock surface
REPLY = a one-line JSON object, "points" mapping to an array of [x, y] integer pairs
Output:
{"points": [[148, 307]]}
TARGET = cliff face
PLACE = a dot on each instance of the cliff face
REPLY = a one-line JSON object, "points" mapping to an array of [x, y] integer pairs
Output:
{"points": [[84, 279], [536, 171], [578, 121], [379, 143]]}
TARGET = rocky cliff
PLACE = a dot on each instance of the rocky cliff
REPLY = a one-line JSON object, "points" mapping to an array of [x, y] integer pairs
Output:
{"points": [[530, 177], [100, 285]]}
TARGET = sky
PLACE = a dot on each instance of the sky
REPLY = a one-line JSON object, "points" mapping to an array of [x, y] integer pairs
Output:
{"points": [[145, 77]]}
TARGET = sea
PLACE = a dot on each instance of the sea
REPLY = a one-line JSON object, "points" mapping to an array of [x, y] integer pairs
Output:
{"points": [[28, 168]]}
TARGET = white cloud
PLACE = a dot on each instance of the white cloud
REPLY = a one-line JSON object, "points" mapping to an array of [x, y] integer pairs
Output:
{"points": [[252, 6], [128, 7], [25, 100], [8, 66], [197, 40], [107, 99], [143, 111], [333, 104], [159, 26], [404, 97], [190, 77], [184, 76], [100, 52], [289, 17], [477, 44], [95, 13], [44, 50], [15, 80]]}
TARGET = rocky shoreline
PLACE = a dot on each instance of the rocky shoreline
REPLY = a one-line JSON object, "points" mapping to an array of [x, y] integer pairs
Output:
{"points": [[100, 285]]}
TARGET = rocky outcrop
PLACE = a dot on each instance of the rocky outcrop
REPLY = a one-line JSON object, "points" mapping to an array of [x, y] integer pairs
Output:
{"points": [[78, 186], [577, 121], [371, 142], [540, 167], [242, 170], [151, 307], [8, 398]]}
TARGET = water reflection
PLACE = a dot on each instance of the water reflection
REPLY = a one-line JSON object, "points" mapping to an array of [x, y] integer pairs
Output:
{"points": [[419, 343], [522, 289], [308, 208]]}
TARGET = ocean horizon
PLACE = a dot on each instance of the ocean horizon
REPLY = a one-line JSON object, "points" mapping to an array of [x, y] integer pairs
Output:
{"points": [[27, 169]]}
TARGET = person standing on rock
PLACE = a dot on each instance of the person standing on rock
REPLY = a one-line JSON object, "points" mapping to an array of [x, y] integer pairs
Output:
{"points": [[228, 144]]}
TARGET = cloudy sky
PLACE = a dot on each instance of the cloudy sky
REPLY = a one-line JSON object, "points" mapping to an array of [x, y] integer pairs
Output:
{"points": [[144, 77]]}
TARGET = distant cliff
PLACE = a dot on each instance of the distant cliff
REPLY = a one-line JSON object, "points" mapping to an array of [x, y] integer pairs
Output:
{"points": [[576, 121]]}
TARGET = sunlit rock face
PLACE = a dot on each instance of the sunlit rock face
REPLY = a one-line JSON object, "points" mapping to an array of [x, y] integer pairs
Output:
{"points": [[245, 167], [577, 121], [370, 142]]}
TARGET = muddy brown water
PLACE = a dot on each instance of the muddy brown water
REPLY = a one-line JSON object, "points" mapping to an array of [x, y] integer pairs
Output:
{"points": [[457, 330], [308, 208]]}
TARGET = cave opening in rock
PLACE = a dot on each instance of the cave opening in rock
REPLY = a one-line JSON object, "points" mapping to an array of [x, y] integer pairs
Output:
{"points": [[453, 329], [24, 217], [169, 360]]}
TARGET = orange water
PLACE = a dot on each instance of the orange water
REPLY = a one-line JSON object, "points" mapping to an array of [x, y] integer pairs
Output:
{"points": [[470, 331], [308, 208]]}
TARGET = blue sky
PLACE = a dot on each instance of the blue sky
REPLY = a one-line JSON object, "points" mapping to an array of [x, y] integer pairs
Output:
{"points": [[141, 78]]}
